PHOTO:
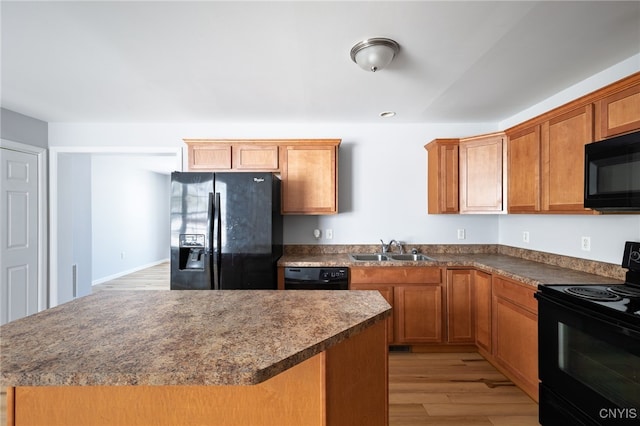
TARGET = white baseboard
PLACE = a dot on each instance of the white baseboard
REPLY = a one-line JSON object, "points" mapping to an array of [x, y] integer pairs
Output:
{"points": [[127, 272]]}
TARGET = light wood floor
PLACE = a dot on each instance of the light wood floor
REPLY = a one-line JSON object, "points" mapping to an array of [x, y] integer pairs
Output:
{"points": [[435, 389]]}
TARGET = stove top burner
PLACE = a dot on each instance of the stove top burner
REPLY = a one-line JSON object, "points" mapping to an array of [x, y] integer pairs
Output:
{"points": [[625, 291], [586, 292]]}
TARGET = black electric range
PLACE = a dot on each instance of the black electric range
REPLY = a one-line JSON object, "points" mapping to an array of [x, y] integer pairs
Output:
{"points": [[620, 301], [589, 350]]}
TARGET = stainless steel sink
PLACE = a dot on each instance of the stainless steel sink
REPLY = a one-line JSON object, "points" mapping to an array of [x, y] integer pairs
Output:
{"points": [[375, 257], [409, 256]]}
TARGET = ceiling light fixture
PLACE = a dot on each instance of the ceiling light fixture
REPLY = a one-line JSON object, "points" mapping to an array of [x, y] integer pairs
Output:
{"points": [[374, 54]]}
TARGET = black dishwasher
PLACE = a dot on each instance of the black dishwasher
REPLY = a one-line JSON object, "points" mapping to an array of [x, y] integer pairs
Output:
{"points": [[334, 278]]}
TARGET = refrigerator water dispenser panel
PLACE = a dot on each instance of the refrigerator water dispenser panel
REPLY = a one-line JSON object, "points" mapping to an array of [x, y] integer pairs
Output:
{"points": [[192, 251]]}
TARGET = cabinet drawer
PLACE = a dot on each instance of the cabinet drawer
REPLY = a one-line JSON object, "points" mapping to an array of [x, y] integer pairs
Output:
{"points": [[520, 294], [206, 156], [255, 157], [417, 275]]}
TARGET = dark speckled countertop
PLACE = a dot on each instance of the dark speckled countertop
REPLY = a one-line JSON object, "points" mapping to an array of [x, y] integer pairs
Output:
{"points": [[180, 337], [525, 271]]}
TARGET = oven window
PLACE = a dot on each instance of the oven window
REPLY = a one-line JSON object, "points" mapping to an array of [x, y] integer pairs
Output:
{"points": [[609, 370]]}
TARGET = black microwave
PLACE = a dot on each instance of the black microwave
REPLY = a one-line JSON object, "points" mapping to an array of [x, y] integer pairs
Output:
{"points": [[612, 174]]}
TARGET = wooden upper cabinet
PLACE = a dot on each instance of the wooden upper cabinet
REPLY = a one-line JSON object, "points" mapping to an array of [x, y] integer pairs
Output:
{"points": [[442, 176], [255, 157], [207, 156], [620, 112], [523, 153], [309, 179], [562, 177], [308, 167], [481, 171]]}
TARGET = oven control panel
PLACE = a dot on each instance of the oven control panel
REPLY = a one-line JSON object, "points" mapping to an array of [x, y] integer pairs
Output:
{"points": [[631, 257]]}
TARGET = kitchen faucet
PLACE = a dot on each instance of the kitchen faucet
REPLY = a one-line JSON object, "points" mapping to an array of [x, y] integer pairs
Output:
{"points": [[388, 247]]}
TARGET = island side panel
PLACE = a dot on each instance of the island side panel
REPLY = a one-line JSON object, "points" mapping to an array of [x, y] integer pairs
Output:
{"points": [[294, 397], [358, 379]]}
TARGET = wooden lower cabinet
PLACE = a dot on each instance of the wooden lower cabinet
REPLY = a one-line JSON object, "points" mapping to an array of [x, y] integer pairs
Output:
{"points": [[419, 313], [460, 306], [482, 301], [515, 333], [386, 290], [416, 295]]}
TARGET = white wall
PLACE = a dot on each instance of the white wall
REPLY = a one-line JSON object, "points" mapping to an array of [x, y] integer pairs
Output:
{"points": [[130, 224], [382, 181], [562, 234]]}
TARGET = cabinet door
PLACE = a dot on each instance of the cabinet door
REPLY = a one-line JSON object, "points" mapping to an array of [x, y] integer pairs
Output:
{"points": [[209, 156], [460, 312], [563, 141], [481, 174], [515, 333], [309, 180], [482, 296], [419, 313], [386, 290], [255, 157], [620, 112], [523, 149], [442, 176]]}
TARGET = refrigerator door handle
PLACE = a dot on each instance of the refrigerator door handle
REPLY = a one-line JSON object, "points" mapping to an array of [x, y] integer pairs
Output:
{"points": [[216, 240]]}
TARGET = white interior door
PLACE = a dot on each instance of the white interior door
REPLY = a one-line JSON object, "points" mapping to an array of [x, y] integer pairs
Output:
{"points": [[18, 234]]}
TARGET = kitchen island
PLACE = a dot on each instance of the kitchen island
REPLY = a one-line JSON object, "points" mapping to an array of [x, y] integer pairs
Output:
{"points": [[200, 357]]}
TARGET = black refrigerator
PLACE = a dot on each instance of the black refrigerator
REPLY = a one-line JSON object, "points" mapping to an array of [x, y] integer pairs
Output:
{"points": [[226, 231]]}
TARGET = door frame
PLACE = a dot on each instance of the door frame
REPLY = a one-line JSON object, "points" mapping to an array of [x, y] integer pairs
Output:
{"points": [[43, 246], [53, 193]]}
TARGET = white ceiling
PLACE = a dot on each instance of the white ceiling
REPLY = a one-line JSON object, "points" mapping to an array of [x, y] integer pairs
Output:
{"points": [[269, 61]]}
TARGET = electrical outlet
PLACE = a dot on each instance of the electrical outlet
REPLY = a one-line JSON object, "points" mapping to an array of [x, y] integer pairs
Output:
{"points": [[585, 243], [328, 234], [525, 236], [122, 255], [461, 234]]}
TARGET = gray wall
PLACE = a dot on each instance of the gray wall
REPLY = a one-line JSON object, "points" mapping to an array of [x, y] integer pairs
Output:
{"points": [[130, 216], [74, 225], [21, 128]]}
